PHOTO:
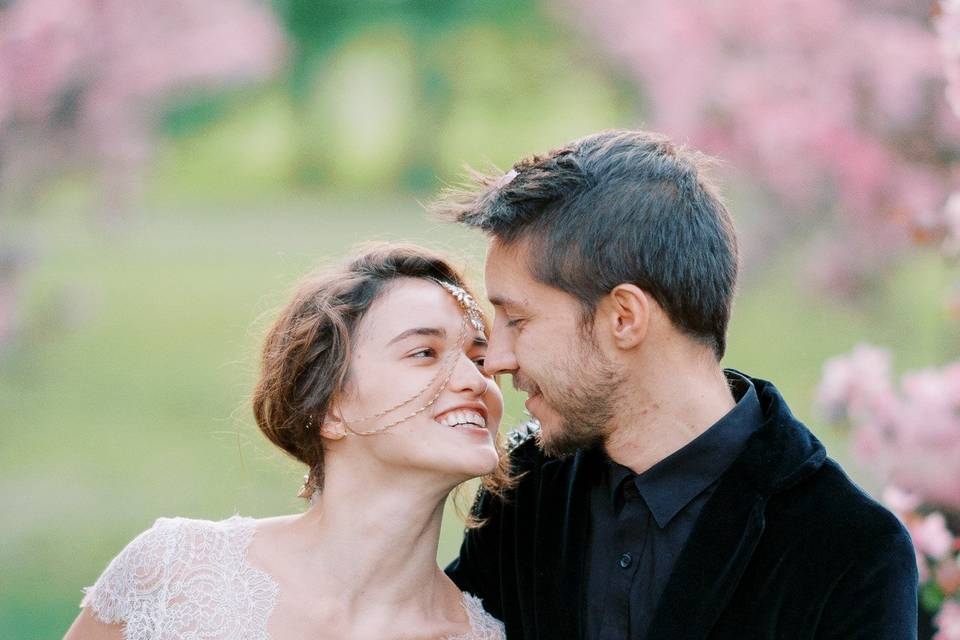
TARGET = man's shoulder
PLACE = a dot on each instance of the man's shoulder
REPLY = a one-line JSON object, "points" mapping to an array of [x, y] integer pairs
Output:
{"points": [[830, 504], [810, 490]]}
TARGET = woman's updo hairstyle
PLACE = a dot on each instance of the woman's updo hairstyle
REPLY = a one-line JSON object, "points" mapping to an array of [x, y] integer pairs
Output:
{"points": [[307, 351]]}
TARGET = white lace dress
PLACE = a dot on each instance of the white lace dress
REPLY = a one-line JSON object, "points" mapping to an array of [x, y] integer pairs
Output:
{"points": [[186, 579]]}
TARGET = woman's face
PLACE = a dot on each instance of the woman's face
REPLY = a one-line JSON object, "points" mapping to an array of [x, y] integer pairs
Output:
{"points": [[412, 339]]}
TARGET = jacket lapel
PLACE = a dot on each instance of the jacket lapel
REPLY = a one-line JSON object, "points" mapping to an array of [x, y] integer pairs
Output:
{"points": [[561, 536], [712, 561], [779, 454]]}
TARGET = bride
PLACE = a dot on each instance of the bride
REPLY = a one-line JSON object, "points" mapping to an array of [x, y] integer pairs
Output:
{"points": [[373, 377]]}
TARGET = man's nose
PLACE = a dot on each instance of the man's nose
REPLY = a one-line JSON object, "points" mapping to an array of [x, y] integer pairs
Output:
{"points": [[500, 357]]}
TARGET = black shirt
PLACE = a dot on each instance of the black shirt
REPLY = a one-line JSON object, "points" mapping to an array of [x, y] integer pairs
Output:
{"points": [[639, 523]]}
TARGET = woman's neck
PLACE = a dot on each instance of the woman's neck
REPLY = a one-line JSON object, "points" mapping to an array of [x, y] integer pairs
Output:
{"points": [[371, 544]]}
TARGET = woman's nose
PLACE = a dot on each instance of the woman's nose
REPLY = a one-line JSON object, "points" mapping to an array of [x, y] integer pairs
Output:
{"points": [[468, 377]]}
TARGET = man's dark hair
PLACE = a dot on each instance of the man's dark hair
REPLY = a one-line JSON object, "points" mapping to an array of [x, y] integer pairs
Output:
{"points": [[611, 208]]}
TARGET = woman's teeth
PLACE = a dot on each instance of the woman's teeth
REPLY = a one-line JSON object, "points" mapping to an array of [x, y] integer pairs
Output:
{"points": [[458, 418]]}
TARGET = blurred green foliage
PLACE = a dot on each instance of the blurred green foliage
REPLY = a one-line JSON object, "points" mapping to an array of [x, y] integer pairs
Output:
{"points": [[392, 95]]}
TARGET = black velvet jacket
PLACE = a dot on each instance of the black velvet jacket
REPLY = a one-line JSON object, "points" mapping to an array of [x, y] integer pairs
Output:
{"points": [[787, 548]]}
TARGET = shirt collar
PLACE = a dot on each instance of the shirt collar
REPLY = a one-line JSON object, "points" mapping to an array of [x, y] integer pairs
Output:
{"points": [[670, 485]]}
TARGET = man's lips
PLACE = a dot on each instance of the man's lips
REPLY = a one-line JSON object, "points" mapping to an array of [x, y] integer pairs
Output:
{"points": [[530, 401]]}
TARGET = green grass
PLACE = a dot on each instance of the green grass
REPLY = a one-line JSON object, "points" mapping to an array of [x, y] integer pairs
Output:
{"points": [[126, 398]]}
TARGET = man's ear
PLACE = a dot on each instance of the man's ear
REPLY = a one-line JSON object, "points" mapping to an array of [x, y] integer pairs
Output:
{"points": [[627, 314]]}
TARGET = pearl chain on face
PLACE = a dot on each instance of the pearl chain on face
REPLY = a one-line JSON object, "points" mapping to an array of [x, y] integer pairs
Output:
{"points": [[472, 316]]}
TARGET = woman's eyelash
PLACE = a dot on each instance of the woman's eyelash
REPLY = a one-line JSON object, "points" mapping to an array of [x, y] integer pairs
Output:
{"points": [[429, 352]]}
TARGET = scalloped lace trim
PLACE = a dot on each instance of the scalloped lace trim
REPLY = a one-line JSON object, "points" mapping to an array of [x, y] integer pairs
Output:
{"points": [[483, 626], [186, 579]]}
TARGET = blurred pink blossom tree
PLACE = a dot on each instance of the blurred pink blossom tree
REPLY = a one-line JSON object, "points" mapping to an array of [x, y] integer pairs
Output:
{"points": [[937, 548], [845, 114], [907, 435], [82, 83], [830, 106], [910, 436]]}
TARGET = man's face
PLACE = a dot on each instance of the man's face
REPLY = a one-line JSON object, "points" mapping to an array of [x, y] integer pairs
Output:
{"points": [[538, 337]]}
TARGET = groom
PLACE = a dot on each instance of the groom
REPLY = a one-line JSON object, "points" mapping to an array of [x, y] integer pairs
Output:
{"points": [[662, 497]]}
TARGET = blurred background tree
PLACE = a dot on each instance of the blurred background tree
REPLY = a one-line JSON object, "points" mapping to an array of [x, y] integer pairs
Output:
{"points": [[833, 110], [167, 170]]}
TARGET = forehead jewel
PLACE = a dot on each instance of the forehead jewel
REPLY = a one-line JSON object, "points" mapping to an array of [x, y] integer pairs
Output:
{"points": [[470, 307]]}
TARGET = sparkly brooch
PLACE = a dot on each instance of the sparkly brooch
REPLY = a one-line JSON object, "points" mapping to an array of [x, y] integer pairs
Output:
{"points": [[521, 434]]}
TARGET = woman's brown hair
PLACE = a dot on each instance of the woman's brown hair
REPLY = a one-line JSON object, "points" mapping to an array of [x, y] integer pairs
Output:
{"points": [[306, 354]]}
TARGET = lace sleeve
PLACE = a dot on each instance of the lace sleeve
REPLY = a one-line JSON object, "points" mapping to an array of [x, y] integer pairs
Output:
{"points": [[133, 584]]}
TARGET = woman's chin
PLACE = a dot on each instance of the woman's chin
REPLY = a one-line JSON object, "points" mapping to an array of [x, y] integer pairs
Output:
{"points": [[475, 464], [455, 453], [491, 464]]}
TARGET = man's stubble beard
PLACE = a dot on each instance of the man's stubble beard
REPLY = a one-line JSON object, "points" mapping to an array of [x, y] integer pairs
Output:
{"points": [[585, 401]]}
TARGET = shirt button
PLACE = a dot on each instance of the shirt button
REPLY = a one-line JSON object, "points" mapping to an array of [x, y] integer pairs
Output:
{"points": [[625, 560]]}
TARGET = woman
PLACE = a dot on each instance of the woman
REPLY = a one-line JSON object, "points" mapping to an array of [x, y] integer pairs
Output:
{"points": [[373, 377]]}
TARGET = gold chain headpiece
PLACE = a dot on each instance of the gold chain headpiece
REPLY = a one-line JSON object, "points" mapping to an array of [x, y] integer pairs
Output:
{"points": [[472, 316]]}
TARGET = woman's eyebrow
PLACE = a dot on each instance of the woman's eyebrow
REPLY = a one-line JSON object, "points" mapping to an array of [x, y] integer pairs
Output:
{"points": [[420, 331]]}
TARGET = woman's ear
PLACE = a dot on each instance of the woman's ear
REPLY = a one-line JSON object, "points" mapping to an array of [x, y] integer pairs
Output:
{"points": [[333, 426], [627, 312], [333, 430]]}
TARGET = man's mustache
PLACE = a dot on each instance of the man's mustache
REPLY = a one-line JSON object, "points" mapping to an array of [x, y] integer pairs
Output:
{"points": [[522, 382]]}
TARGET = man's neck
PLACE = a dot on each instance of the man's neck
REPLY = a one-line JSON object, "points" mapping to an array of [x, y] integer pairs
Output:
{"points": [[664, 409]]}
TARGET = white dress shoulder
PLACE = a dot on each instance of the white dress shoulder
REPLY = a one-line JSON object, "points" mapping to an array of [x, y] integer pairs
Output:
{"points": [[186, 579]]}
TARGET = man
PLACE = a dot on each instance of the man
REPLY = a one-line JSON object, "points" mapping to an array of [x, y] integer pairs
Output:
{"points": [[663, 497]]}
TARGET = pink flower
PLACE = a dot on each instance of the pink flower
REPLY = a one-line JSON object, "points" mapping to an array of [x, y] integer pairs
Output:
{"points": [[948, 29], [951, 219], [948, 575], [908, 437], [899, 501], [931, 536], [948, 621], [852, 385]]}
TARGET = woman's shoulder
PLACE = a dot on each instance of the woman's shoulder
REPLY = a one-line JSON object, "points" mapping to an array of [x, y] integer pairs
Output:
{"points": [[214, 537], [172, 541], [174, 561]]}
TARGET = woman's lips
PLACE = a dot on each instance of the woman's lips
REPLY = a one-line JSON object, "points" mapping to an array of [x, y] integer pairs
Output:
{"points": [[464, 422], [473, 430]]}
